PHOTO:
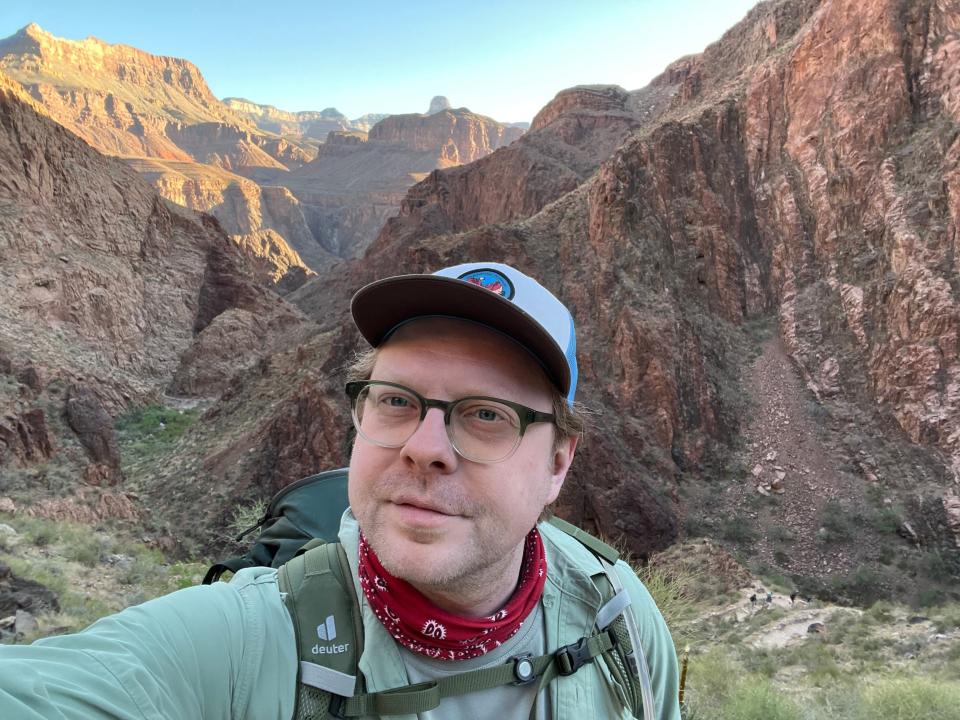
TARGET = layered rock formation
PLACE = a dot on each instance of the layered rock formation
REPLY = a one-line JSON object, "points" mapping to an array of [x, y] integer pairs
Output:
{"points": [[356, 182], [103, 287], [566, 143], [267, 222], [311, 124], [803, 168], [159, 114], [804, 165], [129, 103]]}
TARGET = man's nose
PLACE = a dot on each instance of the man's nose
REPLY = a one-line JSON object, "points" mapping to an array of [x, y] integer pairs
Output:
{"points": [[429, 448]]}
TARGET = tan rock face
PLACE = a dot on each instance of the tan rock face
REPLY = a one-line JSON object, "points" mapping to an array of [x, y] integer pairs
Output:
{"points": [[460, 136], [159, 113], [103, 91], [309, 124], [220, 157]]}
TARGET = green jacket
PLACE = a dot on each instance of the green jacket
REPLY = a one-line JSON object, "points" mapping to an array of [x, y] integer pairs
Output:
{"points": [[227, 651]]}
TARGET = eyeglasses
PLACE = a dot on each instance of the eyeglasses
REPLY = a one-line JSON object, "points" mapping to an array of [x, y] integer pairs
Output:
{"points": [[481, 429]]}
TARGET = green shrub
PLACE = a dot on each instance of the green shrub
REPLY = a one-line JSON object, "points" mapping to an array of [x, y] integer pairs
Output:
{"points": [[885, 519], [880, 612], [837, 522], [915, 698], [245, 517], [710, 678], [864, 586], [86, 550], [757, 699], [143, 433], [738, 530], [946, 618], [819, 659]]}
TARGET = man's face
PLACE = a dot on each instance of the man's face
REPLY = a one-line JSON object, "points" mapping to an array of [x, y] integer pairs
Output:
{"points": [[433, 518]]}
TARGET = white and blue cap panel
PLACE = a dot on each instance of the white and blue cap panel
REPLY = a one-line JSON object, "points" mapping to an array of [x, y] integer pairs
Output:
{"points": [[529, 296]]}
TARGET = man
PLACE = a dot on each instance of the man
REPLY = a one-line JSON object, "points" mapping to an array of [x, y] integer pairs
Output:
{"points": [[465, 432]]}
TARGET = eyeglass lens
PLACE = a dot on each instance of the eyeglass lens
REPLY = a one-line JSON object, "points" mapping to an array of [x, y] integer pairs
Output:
{"points": [[480, 430]]}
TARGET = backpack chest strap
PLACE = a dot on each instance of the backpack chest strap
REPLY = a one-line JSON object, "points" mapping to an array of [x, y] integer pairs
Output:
{"points": [[426, 696]]}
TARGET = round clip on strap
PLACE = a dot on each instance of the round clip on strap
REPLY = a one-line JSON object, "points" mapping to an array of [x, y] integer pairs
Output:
{"points": [[523, 669]]}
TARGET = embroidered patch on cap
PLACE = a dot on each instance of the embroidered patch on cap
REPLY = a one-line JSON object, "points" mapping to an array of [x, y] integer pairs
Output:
{"points": [[491, 280]]}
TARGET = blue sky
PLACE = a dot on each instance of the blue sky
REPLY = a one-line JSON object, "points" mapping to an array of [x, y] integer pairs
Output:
{"points": [[499, 58]]}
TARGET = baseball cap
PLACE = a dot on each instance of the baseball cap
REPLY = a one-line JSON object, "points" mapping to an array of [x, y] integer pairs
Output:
{"points": [[492, 294]]}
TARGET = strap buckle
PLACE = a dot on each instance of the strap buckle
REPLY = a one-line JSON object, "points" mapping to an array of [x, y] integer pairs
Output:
{"points": [[572, 657], [336, 707]]}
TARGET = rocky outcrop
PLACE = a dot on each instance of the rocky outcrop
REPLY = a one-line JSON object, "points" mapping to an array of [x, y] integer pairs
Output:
{"points": [[159, 113], [305, 124], [356, 182], [568, 140], [439, 103], [103, 285], [87, 418], [777, 172], [267, 223], [25, 438], [17, 594], [456, 136], [102, 85]]}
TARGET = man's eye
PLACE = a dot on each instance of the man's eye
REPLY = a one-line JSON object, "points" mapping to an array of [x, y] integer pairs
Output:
{"points": [[488, 414], [484, 414], [397, 401]]}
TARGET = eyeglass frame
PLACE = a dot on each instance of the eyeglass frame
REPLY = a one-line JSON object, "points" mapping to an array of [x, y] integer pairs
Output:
{"points": [[526, 415]]}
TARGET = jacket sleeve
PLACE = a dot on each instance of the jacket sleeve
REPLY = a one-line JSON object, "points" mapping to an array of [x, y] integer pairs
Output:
{"points": [[224, 651], [658, 647]]}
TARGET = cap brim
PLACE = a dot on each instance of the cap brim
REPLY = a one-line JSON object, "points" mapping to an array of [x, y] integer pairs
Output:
{"points": [[381, 306]]}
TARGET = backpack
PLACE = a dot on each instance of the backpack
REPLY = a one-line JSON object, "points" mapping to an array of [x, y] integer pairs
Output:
{"points": [[299, 537]]}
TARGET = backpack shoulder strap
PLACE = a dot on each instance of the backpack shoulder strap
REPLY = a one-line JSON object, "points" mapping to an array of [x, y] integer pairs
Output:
{"points": [[317, 588], [318, 591], [626, 661]]}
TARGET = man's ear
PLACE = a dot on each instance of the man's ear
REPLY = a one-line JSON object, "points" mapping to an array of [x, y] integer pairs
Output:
{"points": [[560, 463]]}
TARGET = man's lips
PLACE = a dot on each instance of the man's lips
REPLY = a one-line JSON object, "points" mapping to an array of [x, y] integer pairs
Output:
{"points": [[422, 513], [422, 505]]}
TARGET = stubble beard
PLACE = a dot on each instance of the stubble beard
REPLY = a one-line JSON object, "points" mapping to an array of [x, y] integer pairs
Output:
{"points": [[466, 569]]}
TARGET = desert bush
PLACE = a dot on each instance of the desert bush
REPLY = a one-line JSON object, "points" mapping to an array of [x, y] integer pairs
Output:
{"points": [[946, 617], [916, 698], [837, 522], [245, 517], [885, 519], [757, 699], [710, 678], [863, 586], [86, 550], [145, 432], [738, 530], [880, 612]]}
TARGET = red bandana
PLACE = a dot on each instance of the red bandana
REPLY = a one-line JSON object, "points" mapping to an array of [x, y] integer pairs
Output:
{"points": [[420, 626]]}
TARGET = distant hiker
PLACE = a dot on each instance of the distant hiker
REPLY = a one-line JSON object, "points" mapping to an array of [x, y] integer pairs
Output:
{"points": [[443, 543], [793, 597], [753, 599], [769, 598]]}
